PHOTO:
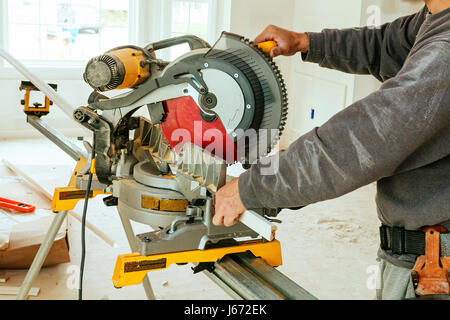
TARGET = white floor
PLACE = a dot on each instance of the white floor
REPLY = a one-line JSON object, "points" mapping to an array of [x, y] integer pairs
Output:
{"points": [[329, 248]]}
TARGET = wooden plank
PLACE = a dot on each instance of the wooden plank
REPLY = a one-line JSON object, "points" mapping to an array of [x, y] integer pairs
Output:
{"points": [[259, 224], [12, 291], [49, 197], [22, 258]]}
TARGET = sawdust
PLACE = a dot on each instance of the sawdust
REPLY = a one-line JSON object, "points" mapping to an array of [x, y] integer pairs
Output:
{"points": [[329, 247], [341, 229]]}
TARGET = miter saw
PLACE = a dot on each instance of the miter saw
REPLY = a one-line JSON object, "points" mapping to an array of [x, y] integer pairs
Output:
{"points": [[208, 109]]}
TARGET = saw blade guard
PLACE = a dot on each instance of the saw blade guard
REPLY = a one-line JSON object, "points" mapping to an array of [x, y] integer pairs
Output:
{"points": [[251, 127]]}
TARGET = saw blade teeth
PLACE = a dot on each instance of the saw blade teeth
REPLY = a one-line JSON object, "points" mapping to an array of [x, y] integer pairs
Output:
{"points": [[282, 90]]}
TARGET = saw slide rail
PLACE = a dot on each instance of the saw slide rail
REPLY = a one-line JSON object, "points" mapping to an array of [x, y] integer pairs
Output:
{"points": [[245, 277]]}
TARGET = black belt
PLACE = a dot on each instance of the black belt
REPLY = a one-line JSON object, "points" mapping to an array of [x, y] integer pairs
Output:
{"points": [[401, 241]]}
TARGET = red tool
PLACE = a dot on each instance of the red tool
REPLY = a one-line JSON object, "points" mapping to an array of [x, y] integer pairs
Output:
{"points": [[18, 206]]}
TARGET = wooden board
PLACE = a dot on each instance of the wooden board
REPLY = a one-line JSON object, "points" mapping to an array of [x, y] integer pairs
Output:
{"points": [[47, 195], [34, 292], [22, 258]]}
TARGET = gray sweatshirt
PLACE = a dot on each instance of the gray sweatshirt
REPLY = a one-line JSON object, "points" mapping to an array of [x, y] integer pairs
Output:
{"points": [[398, 136]]}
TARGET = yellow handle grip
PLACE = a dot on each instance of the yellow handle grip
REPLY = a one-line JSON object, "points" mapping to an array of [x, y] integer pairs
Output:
{"points": [[267, 46]]}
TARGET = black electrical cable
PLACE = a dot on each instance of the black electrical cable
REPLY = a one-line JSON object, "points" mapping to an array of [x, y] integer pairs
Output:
{"points": [[83, 226]]}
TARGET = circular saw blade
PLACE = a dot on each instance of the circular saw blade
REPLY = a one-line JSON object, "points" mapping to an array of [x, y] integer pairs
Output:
{"points": [[265, 102]]}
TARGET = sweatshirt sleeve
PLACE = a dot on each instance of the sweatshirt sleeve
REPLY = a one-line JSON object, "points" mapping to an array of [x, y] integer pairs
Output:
{"points": [[379, 51], [363, 143]]}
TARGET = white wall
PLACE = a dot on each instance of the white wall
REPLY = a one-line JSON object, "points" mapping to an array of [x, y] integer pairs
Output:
{"points": [[313, 88], [250, 17], [389, 11]]}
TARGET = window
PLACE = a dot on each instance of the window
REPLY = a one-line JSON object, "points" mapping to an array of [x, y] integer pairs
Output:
{"points": [[195, 17], [190, 17], [74, 30], [57, 37]]}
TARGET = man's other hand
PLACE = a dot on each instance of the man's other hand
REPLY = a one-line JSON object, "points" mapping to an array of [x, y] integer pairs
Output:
{"points": [[289, 42], [228, 205]]}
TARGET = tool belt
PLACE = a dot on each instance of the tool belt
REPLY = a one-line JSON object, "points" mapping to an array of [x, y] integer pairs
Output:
{"points": [[431, 272]]}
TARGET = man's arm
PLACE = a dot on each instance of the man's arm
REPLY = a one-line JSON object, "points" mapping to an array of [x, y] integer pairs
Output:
{"points": [[363, 143], [378, 51]]}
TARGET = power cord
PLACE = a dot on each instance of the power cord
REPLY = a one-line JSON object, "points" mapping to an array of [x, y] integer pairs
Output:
{"points": [[83, 225]]}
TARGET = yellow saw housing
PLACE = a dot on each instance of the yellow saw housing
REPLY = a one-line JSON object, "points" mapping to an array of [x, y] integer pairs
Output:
{"points": [[134, 73], [117, 69]]}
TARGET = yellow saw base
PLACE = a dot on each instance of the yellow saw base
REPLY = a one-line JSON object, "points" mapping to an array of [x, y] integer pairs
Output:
{"points": [[131, 269]]}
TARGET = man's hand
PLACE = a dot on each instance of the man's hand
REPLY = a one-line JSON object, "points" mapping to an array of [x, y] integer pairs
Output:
{"points": [[289, 42], [228, 205]]}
